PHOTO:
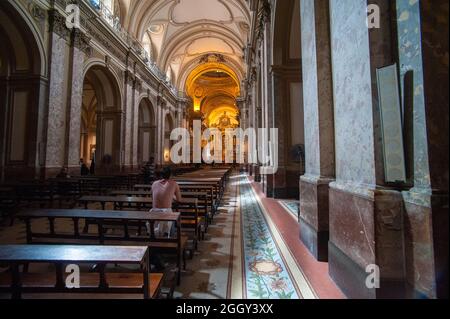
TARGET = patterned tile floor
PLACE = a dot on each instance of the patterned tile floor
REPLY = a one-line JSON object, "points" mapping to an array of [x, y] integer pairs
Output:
{"points": [[291, 206], [266, 273]]}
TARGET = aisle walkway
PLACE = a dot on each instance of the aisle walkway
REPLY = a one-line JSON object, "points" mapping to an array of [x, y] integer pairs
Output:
{"points": [[246, 254]]}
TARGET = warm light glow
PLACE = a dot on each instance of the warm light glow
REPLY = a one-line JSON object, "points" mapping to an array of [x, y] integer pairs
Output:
{"points": [[166, 155], [197, 106]]}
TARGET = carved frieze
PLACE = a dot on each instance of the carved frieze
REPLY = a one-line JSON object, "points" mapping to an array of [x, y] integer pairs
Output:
{"points": [[58, 24], [39, 14], [263, 18], [138, 85], [81, 42], [212, 58]]}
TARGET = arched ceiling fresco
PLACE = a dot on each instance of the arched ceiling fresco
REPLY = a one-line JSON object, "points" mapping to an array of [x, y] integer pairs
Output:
{"points": [[179, 33]]}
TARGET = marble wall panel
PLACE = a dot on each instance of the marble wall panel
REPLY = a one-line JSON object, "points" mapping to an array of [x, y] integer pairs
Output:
{"points": [[410, 59], [56, 122], [352, 226], [355, 160], [128, 124], [76, 100], [310, 87]]}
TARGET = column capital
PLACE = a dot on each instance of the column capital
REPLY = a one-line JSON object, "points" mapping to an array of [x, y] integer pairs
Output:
{"points": [[58, 24], [81, 41]]}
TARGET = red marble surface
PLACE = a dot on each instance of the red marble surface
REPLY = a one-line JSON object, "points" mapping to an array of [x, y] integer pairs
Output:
{"points": [[316, 272]]}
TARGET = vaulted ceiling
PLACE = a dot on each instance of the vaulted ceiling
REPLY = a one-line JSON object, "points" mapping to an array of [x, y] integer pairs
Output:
{"points": [[179, 33]]}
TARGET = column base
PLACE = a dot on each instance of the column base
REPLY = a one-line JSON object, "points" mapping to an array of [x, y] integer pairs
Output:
{"points": [[314, 215], [351, 279], [256, 173], [366, 229], [426, 243], [315, 241], [283, 184]]}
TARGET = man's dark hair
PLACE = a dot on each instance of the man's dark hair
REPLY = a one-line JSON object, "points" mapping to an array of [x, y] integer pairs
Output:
{"points": [[166, 172]]}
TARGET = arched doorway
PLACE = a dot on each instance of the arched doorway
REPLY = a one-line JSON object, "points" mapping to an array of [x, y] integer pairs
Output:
{"points": [[21, 58], [214, 89], [101, 120], [146, 134]]}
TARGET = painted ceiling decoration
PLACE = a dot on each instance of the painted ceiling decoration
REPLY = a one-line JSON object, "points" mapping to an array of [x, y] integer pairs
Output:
{"points": [[177, 33]]}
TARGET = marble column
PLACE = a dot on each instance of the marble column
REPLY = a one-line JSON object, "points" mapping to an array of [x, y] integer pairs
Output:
{"points": [[319, 127], [126, 159], [56, 115], [268, 112], [423, 53], [365, 218], [160, 122], [79, 49], [135, 124]]}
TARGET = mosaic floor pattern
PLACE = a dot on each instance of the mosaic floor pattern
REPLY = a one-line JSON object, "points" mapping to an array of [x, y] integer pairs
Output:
{"points": [[291, 206], [266, 273]]}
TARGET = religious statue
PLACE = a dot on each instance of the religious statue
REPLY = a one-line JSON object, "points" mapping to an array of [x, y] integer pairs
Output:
{"points": [[224, 120]]}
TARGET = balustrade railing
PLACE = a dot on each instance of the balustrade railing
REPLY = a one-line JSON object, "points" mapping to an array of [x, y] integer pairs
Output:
{"points": [[114, 22]]}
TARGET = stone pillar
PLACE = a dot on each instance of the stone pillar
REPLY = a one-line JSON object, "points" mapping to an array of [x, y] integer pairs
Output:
{"points": [[365, 221], [79, 49], [268, 112], [135, 124], [319, 127], [55, 157], [160, 120], [126, 158], [423, 57]]}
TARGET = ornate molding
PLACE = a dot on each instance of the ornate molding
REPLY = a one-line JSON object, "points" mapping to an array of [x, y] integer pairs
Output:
{"points": [[129, 77], [212, 58], [58, 24], [263, 18], [137, 84], [81, 41], [36, 11]]}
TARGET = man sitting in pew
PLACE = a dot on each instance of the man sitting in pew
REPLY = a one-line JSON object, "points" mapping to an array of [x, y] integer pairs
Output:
{"points": [[164, 191]]}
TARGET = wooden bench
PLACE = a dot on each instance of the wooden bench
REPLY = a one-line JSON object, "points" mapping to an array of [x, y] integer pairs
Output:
{"points": [[139, 203], [124, 219], [205, 201], [8, 203], [187, 208], [18, 283]]}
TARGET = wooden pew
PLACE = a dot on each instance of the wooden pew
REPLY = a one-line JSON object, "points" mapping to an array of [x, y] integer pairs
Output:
{"points": [[188, 208], [211, 188], [18, 283], [139, 203], [205, 201], [99, 218], [8, 203], [35, 192]]}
